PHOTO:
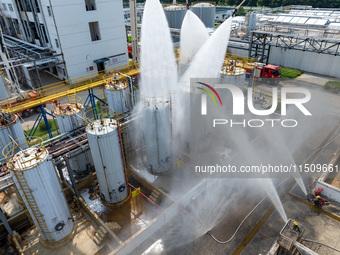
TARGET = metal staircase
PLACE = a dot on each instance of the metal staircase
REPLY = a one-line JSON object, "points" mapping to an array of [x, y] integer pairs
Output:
{"points": [[124, 145], [126, 149], [72, 99], [32, 205]]}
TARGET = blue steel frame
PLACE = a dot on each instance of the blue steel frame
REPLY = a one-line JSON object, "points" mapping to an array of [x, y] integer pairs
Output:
{"points": [[42, 115], [90, 102]]}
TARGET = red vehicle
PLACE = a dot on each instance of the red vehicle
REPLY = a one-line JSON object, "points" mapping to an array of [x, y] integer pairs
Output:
{"points": [[30, 96], [129, 50], [129, 46], [271, 73]]}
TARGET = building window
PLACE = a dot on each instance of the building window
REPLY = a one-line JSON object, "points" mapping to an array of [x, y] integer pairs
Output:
{"points": [[57, 43], [4, 7], [44, 33], [94, 31], [10, 7], [16, 26], [37, 8], [90, 5], [49, 10], [34, 30]]}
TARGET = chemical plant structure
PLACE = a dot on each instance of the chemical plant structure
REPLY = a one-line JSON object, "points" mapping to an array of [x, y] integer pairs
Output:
{"points": [[106, 182]]}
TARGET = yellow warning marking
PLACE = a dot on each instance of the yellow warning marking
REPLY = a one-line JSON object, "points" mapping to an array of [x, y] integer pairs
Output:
{"points": [[135, 192]]}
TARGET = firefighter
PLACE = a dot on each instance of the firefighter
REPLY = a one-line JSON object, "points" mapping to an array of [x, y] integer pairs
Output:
{"points": [[296, 227], [318, 201]]}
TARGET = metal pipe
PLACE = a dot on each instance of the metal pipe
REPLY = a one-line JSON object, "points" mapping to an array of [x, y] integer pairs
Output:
{"points": [[27, 43]]}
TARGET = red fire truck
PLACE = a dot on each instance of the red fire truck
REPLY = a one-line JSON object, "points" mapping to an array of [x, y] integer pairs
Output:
{"points": [[266, 73]]}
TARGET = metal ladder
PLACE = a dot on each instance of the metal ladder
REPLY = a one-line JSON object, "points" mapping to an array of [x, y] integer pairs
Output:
{"points": [[126, 150], [124, 146], [32, 204], [72, 99]]}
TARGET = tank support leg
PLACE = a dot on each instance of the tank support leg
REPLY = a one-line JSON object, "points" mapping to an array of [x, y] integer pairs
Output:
{"points": [[4, 221], [91, 102], [42, 115]]}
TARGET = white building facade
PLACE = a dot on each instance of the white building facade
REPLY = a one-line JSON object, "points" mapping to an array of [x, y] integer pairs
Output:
{"points": [[90, 34]]}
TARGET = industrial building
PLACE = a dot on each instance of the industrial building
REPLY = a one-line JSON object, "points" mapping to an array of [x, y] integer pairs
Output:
{"points": [[44, 35], [115, 170], [306, 39]]}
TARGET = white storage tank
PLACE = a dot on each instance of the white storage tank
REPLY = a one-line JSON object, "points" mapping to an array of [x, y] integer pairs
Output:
{"points": [[35, 177], [206, 12], [10, 129], [118, 96], [105, 144], [157, 135], [233, 75], [81, 162], [69, 117], [175, 15]]}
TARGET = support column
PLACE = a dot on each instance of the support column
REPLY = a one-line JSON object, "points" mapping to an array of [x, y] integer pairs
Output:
{"points": [[4, 221]]}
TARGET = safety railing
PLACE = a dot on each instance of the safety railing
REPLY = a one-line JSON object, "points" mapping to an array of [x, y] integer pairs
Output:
{"points": [[78, 82]]}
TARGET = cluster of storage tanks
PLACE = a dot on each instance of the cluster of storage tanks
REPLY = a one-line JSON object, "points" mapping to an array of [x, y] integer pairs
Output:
{"points": [[34, 172], [205, 11]]}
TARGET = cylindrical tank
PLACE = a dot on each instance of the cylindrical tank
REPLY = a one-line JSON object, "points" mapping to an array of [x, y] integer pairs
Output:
{"points": [[118, 96], [3, 89], [105, 144], [10, 129], [69, 117], [250, 22], [81, 163], [157, 135], [234, 76], [206, 12], [175, 15], [38, 185]]}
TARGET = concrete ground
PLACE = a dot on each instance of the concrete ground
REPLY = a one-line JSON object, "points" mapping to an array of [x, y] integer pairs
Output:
{"points": [[81, 244], [312, 79], [177, 236], [314, 83], [320, 227]]}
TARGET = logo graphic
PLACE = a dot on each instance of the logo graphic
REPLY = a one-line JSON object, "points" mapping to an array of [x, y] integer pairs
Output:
{"points": [[239, 99], [204, 97]]}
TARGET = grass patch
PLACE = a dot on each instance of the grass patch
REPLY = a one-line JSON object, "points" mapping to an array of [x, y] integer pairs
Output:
{"points": [[42, 130], [290, 73], [333, 86]]}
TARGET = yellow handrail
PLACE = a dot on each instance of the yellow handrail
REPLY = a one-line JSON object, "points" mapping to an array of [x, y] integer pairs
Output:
{"points": [[61, 89]]}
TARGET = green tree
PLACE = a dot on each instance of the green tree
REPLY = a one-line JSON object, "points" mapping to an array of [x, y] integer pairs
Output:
{"points": [[231, 2], [241, 12], [252, 3], [264, 2]]}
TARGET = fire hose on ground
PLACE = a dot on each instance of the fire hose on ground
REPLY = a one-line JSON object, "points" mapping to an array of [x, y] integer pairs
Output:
{"points": [[231, 238]]}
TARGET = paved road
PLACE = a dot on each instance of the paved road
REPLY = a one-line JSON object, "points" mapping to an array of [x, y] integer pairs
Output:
{"points": [[328, 101]]}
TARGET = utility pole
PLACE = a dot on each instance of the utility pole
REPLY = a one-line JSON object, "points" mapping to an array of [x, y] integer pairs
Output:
{"points": [[134, 32]]}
